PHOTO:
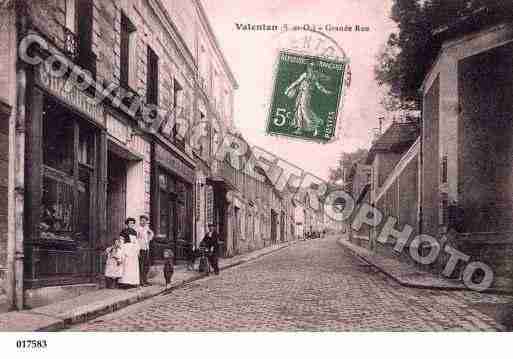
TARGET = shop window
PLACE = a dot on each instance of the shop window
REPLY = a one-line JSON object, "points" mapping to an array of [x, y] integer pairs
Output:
{"points": [[443, 170], [66, 175], [86, 146], [444, 212], [166, 189], [58, 134], [164, 214]]}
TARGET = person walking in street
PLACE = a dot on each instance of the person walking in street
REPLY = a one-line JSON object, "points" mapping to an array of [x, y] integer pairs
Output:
{"points": [[204, 267], [169, 269], [113, 265], [191, 256], [211, 242], [144, 236]]}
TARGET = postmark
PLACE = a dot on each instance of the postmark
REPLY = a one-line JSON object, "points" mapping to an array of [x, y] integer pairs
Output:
{"points": [[306, 96], [310, 79]]}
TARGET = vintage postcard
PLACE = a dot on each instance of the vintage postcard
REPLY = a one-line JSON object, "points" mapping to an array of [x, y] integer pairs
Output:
{"points": [[180, 166]]}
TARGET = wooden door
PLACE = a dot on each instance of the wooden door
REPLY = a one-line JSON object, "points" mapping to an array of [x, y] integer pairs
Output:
{"points": [[116, 196]]}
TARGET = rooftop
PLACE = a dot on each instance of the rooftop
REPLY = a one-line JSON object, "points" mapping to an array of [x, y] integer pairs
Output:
{"points": [[397, 138]]}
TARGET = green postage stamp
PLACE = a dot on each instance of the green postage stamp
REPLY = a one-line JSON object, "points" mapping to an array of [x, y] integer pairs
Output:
{"points": [[306, 96]]}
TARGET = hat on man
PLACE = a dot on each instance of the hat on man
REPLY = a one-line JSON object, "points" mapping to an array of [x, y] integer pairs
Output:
{"points": [[129, 219], [144, 216]]}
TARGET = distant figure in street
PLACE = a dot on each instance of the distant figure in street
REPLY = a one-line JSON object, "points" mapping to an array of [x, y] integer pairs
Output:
{"points": [[455, 220], [113, 265], [203, 267], [169, 268], [191, 256], [130, 256], [144, 236], [211, 243]]}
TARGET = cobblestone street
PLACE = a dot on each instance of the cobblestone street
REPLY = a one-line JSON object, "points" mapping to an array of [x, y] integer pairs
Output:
{"points": [[310, 286]]}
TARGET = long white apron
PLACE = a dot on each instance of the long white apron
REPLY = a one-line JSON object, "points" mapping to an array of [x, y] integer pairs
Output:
{"points": [[130, 259]]}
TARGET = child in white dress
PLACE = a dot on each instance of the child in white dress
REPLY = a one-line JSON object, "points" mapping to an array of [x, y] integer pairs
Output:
{"points": [[113, 265]]}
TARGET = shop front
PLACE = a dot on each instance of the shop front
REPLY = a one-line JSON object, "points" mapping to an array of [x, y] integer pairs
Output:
{"points": [[64, 178], [128, 172], [173, 206]]}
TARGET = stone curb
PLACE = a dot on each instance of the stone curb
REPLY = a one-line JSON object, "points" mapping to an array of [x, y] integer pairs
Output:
{"points": [[53, 323], [410, 284]]}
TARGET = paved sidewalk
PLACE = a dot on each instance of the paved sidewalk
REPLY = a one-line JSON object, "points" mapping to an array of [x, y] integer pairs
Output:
{"points": [[403, 273], [85, 307]]}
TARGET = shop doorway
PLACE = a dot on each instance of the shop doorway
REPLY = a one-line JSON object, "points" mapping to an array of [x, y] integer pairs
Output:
{"points": [[282, 227], [274, 220], [236, 229], [116, 194]]}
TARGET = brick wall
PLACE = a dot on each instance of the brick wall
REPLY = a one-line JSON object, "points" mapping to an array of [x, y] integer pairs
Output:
{"points": [[400, 201]]}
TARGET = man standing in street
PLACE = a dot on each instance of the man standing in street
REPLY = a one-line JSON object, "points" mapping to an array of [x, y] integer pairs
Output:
{"points": [[145, 236], [211, 242]]}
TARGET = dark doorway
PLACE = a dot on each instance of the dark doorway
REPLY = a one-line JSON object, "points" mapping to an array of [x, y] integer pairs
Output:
{"points": [[116, 195], [274, 220], [236, 229], [282, 227]]}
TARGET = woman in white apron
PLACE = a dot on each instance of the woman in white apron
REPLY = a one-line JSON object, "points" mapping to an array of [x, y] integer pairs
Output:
{"points": [[130, 259]]}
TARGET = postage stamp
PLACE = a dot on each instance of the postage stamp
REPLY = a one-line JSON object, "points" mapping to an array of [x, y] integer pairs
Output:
{"points": [[306, 96]]}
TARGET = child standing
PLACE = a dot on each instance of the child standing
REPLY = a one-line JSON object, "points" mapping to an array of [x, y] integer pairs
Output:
{"points": [[113, 266], [168, 265]]}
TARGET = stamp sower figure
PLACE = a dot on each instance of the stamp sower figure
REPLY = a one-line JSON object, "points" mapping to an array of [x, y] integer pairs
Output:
{"points": [[130, 259], [145, 236], [305, 119], [211, 242], [113, 265]]}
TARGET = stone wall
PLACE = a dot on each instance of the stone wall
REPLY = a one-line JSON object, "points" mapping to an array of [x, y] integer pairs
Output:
{"points": [[486, 140], [431, 160]]}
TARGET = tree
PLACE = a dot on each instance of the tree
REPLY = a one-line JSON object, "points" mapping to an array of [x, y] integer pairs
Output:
{"points": [[402, 63]]}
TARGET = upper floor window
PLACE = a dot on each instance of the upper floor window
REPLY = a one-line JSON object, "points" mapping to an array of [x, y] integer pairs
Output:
{"points": [[152, 78], [71, 15], [79, 33], [179, 110], [127, 44]]}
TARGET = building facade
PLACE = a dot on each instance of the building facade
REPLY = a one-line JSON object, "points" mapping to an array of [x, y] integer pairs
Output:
{"points": [[454, 182], [466, 192], [111, 110]]}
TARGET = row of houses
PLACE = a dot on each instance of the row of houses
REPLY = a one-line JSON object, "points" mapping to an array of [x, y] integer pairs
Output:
{"points": [[73, 169], [449, 173]]}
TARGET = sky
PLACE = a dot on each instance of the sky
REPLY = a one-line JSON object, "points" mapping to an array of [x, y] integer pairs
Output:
{"points": [[250, 55]]}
